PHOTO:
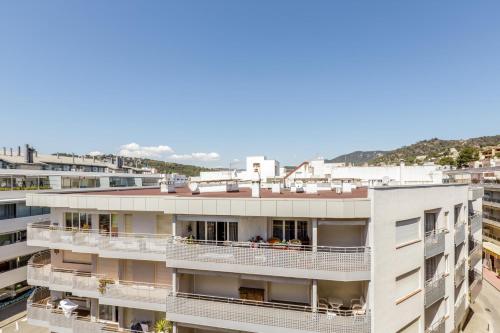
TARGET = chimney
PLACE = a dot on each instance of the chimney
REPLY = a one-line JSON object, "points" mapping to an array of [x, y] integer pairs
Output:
{"points": [[10, 151], [93, 159], [57, 155], [28, 153], [73, 158], [18, 150], [36, 153], [256, 184], [4, 151]]}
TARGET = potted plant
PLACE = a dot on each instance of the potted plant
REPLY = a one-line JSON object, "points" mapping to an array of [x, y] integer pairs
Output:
{"points": [[103, 284], [295, 244], [163, 326]]}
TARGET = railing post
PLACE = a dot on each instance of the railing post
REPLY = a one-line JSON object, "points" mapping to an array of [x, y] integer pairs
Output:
{"points": [[174, 281], [314, 295], [315, 235]]}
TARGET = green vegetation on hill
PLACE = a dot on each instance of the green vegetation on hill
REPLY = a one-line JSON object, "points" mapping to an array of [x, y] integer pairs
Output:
{"points": [[436, 150], [160, 166], [357, 157]]}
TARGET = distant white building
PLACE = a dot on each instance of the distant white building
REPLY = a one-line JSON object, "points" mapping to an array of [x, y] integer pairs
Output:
{"points": [[373, 175]]}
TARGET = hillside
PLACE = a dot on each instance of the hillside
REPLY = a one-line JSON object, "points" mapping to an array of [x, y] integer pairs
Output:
{"points": [[357, 157], [434, 149]]}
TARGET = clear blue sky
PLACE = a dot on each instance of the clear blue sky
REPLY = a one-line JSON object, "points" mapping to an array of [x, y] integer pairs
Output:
{"points": [[288, 79]]}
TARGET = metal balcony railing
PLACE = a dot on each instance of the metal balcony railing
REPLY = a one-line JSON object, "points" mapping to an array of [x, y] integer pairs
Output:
{"points": [[434, 290], [434, 242], [295, 257], [99, 242], [459, 272], [459, 310], [475, 222], [459, 233], [281, 317], [97, 285], [437, 327], [491, 219]]}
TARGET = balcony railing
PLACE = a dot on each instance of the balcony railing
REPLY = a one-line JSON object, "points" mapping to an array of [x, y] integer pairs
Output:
{"points": [[491, 200], [149, 296], [39, 269], [261, 316], [459, 272], [437, 327], [459, 310], [434, 242], [41, 312], [459, 233], [491, 238], [491, 219], [434, 290], [145, 295], [248, 257], [106, 244], [475, 222], [475, 283]]}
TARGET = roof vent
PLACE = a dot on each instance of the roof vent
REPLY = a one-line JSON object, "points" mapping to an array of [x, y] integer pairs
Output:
{"points": [[256, 184], [167, 186]]}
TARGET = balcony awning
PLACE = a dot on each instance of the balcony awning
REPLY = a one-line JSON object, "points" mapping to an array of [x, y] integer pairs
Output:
{"points": [[492, 249]]}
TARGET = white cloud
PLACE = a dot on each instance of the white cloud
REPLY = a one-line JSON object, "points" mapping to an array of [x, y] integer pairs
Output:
{"points": [[95, 153], [135, 150], [204, 157]]}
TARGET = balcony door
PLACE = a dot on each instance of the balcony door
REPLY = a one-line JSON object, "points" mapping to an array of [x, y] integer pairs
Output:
{"points": [[217, 231], [430, 222]]}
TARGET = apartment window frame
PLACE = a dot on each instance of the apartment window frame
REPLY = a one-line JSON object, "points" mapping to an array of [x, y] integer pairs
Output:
{"points": [[283, 229], [77, 220], [412, 223], [217, 231]]}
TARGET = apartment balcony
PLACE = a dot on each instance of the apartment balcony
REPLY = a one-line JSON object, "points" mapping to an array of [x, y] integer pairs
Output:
{"points": [[491, 220], [489, 237], [39, 269], [110, 245], [459, 272], [475, 222], [488, 201], [323, 262], [475, 252], [434, 242], [42, 312], [434, 290], [459, 233], [460, 310], [475, 283], [140, 295], [437, 327], [263, 317]]}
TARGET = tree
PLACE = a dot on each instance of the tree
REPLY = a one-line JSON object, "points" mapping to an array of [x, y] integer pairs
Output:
{"points": [[467, 155], [447, 160]]}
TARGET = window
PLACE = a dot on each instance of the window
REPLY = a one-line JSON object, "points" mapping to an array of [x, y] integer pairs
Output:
{"points": [[407, 283], [217, 231], [76, 220], [104, 223], [287, 230], [430, 222], [407, 231], [457, 213]]}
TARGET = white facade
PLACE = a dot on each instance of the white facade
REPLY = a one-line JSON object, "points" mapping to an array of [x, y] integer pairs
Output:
{"points": [[383, 259], [370, 175]]}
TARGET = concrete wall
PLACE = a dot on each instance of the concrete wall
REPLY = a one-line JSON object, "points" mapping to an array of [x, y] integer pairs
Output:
{"points": [[388, 206]]}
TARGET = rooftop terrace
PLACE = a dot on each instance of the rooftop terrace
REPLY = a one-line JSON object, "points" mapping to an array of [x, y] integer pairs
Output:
{"points": [[242, 193]]}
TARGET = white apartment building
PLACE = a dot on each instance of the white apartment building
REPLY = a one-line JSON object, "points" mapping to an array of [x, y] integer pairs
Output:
{"points": [[15, 215], [367, 175], [380, 259]]}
